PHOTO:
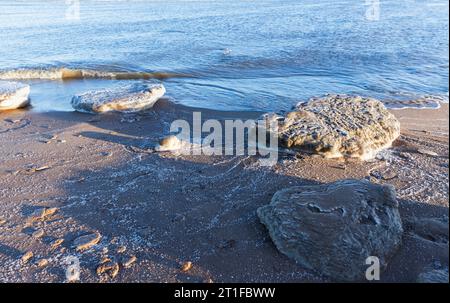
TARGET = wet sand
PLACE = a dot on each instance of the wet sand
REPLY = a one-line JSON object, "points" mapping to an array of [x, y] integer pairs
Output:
{"points": [[167, 209]]}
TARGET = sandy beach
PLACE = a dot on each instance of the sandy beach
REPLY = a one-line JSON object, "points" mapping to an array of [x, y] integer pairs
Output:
{"points": [[156, 211]]}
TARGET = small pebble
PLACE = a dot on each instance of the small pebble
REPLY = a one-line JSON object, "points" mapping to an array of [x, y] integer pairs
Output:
{"points": [[42, 263], [56, 243], [186, 266], [427, 152], [37, 169], [13, 121], [43, 213], [110, 268], [104, 260], [27, 256], [86, 241], [130, 262]]}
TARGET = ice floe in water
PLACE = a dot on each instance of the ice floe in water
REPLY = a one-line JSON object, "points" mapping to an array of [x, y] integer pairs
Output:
{"points": [[126, 98], [14, 95]]}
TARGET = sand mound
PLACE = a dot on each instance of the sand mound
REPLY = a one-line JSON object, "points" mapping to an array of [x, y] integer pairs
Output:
{"points": [[333, 228], [13, 95], [339, 126], [128, 98]]}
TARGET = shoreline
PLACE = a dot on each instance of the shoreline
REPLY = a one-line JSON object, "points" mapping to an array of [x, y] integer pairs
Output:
{"points": [[96, 171]]}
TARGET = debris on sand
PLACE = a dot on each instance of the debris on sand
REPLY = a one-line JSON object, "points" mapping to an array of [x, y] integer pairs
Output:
{"points": [[109, 268], [169, 143], [27, 257], [57, 243], [13, 121], [121, 249], [130, 262], [87, 241], [333, 228], [42, 214], [38, 169], [384, 174], [42, 263], [186, 266], [427, 152], [49, 139]]}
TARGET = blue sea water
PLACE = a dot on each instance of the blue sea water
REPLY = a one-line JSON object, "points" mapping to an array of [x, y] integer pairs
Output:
{"points": [[233, 55]]}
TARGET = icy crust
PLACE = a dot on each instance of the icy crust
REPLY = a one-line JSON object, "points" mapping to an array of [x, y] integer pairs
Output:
{"points": [[127, 98], [14, 95], [338, 126]]}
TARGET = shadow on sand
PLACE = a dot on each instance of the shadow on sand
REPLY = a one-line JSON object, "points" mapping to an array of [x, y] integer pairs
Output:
{"points": [[167, 209]]}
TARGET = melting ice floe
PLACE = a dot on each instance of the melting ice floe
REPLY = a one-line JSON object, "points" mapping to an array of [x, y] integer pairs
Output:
{"points": [[126, 98], [338, 126], [13, 95]]}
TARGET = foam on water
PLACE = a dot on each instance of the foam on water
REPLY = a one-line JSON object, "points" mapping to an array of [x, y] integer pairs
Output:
{"points": [[74, 73], [425, 102]]}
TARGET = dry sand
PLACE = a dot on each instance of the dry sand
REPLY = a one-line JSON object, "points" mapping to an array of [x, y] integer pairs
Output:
{"points": [[166, 210]]}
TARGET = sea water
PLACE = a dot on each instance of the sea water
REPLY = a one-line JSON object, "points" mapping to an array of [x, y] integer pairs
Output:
{"points": [[265, 55]]}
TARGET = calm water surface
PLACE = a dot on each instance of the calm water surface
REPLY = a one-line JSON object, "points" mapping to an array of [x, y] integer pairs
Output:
{"points": [[235, 55]]}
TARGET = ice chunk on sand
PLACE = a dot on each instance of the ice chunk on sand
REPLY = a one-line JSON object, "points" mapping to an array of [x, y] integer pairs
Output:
{"points": [[13, 95], [127, 98], [338, 126]]}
